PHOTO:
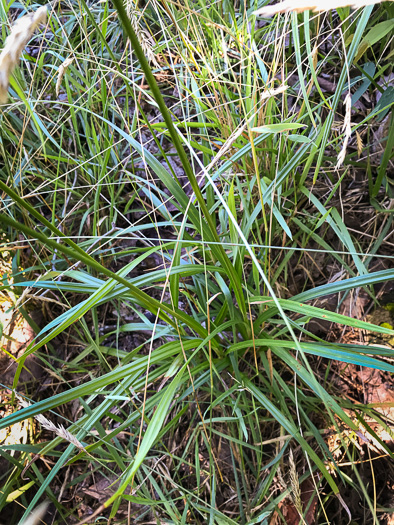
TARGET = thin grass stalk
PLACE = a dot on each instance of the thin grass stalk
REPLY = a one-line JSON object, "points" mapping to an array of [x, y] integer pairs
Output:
{"points": [[178, 146]]}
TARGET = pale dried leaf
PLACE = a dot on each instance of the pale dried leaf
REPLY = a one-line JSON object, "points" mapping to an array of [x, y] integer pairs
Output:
{"points": [[37, 515], [313, 5], [347, 130]]}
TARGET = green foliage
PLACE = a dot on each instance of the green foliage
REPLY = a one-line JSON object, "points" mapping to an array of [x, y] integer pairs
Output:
{"points": [[202, 167]]}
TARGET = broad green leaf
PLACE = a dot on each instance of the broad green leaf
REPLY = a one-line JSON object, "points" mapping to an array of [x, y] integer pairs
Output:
{"points": [[278, 128], [301, 139], [17, 493], [374, 35]]}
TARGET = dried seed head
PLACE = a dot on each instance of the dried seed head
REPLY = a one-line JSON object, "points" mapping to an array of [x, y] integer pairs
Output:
{"points": [[48, 425], [21, 33], [295, 484], [360, 145], [143, 36], [60, 73], [313, 5]]}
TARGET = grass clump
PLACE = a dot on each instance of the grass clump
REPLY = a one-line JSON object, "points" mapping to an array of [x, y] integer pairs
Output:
{"points": [[197, 198]]}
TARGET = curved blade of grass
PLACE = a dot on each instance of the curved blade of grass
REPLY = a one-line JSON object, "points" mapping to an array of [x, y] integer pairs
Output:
{"points": [[72, 315], [320, 313], [333, 218], [291, 429], [346, 284], [156, 276], [311, 381], [296, 37], [149, 303], [335, 352], [84, 429], [39, 126], [167, 351], [150, 435], [310, 59]]}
